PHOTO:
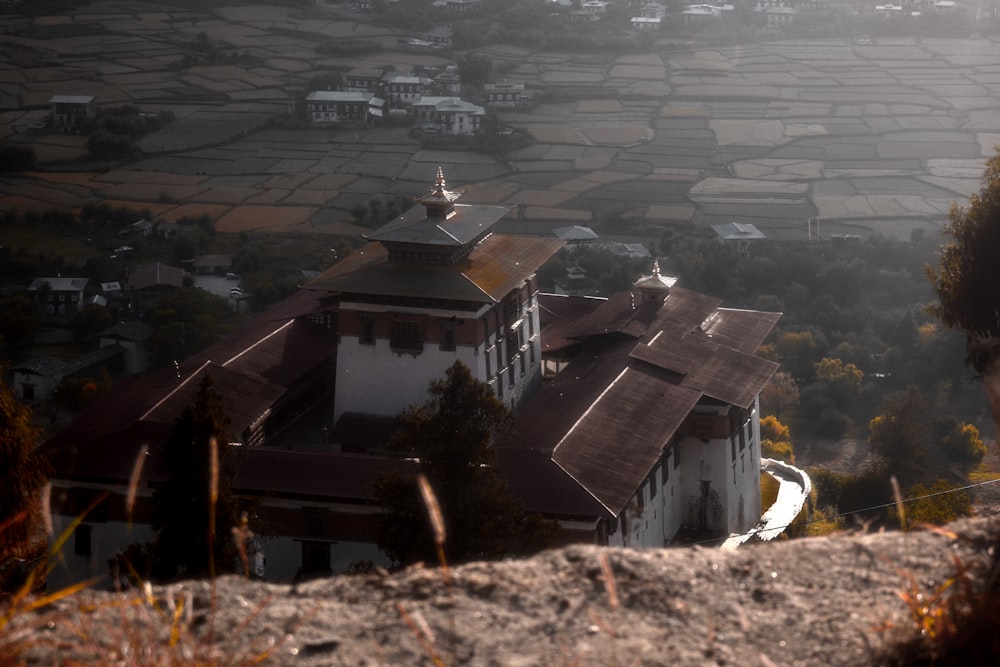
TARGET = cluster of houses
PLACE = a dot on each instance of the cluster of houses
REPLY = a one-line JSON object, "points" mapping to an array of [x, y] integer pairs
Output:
{"points": [[121, 348], [637, 414], [430, 99]]}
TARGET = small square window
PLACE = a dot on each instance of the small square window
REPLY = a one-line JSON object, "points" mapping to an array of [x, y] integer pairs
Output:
{"points": [[407, 336]]}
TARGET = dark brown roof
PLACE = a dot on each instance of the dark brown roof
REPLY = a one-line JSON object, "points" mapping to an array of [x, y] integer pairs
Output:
{"points": [[742, 330], [558, 315], [497, 265], [613, 447], [318, 475], [466, 224], [252, 365], [640, 369]]}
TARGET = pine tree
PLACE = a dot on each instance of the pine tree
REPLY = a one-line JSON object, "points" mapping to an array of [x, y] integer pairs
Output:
{"points": [[194, 510], [452, 436]]}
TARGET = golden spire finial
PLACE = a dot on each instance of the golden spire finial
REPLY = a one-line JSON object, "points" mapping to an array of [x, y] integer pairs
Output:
{"points": [[440, 181], [656, 267]]}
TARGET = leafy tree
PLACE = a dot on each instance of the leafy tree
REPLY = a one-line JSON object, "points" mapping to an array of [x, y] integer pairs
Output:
{"points": [[475, 69], [963, 445], [967, 276], [898, 435], [90, 321], [780, 392], [194, 510], [841, 381], [22, 472], [939, 504], [452, 436], [776, 440]]}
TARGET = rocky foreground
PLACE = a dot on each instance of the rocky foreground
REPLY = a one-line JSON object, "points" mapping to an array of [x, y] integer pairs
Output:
{"points": [[819, 601]]}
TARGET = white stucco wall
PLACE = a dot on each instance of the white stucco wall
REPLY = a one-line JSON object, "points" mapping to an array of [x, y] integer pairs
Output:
{"points": [[283, 556], [374, 379], [107, 539]]}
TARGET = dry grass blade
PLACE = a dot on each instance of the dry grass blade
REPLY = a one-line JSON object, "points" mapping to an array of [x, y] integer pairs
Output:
{"points": [[133, 483], [897, 495], [426, 641], [609, 581], [437, 523]]}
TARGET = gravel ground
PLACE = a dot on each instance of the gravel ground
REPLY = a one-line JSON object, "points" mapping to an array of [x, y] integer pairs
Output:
{"points": [[819, 601]]}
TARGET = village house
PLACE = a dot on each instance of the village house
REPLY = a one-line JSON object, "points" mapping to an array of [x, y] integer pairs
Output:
{"points": [[504, 94], [38, 378], [58, 298], [148, 283], [364, 80], [450, 115], [131, 338], [71, 113], [650, 429], [440, 36], [739, 234], [333, 107], [403, 89]]}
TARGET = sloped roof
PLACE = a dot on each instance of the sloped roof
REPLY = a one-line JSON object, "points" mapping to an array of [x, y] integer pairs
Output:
{"points": [[641, 368], [736, 231], [134, 331], [575, 233], [492, 269], [59, 284], [152, 275], [250, 367], [612, 448], [465, 225]]}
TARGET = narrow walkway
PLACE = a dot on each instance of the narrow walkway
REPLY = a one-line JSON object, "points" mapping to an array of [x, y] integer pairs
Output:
{"points": [[795, 487]]}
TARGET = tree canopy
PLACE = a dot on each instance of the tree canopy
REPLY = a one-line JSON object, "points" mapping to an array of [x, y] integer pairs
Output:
{"points": [[452, 437], [967, 275], [195, 501], [899, 434]]}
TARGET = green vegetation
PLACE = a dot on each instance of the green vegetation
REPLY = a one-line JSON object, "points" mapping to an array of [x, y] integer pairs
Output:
{"points": [[966, 276], [113, 133], [775, 441], [452, 436], [23, 473]]}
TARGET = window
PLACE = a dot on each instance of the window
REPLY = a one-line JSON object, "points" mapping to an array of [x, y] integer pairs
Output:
{"points": [[367, 335], [407, 336], [510, 309], [448, 339], [315, 558], [652, 484], [82, 540]]}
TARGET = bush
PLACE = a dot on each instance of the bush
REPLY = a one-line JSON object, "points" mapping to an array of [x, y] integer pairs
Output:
{"points": [[940, 504]]}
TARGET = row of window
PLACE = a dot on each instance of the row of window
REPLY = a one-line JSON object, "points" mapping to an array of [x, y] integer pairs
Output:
{"points": [[405, 336]]}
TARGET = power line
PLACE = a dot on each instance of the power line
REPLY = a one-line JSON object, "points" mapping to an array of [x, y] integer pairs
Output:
{"points": [[857, 511]]}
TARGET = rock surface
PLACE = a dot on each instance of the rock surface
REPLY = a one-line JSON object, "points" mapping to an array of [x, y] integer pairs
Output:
{"points": [[819, 601]]}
